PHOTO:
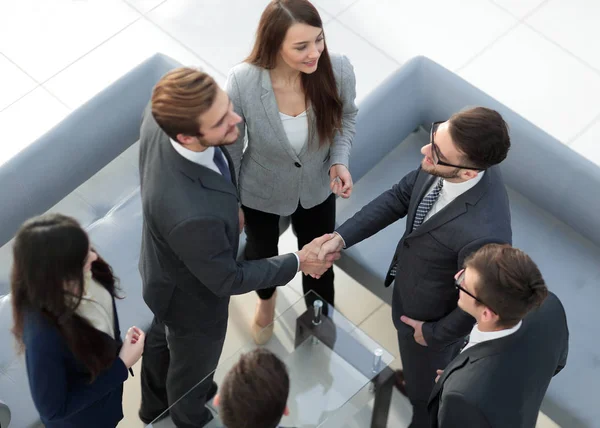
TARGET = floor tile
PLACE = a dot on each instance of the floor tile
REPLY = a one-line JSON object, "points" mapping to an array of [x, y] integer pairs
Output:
{"points": [[28, 119], [519, 8], [334, 7], [379, 327], [221, 38], [442, 30], [588, 144], [14, 83], [132, 394], [556, 16], [116, 57], [43, 37], [144, 6], [371, 66], [549, 88]]}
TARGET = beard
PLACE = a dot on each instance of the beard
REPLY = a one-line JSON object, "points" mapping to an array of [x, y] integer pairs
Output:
{"points": [[227, 140], [432, 170]]}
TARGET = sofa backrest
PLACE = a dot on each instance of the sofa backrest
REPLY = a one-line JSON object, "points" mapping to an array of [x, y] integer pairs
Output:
{"points": [[89, 138]]}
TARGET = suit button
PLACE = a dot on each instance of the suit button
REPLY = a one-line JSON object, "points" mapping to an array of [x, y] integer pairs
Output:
{"points": [[297, 164], [406, 244]]}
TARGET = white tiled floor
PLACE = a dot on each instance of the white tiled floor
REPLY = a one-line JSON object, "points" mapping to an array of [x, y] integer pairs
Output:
{"points": [[539, 57]]}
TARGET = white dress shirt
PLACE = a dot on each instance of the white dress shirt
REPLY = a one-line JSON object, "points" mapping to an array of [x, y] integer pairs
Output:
{"points": [[450, 191], [205, 158], [478, 336]]}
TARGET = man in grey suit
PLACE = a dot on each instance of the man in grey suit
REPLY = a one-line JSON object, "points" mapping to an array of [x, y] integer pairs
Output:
{"points": [[519, 343], [190, 241], [455, 202]]}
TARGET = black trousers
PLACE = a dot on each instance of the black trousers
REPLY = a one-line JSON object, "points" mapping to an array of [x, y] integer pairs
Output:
{"points": [[177, 371], [419, 364], [262, 237]]}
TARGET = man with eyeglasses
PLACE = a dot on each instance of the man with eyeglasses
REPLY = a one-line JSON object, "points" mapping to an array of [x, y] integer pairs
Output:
{"points": [[520, 341], [455, 203]]}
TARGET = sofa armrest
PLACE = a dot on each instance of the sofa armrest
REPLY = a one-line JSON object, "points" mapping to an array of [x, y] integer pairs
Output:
{"points": [[4, 415]]}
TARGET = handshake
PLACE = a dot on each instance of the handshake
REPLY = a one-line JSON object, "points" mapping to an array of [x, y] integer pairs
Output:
{"points": [[318, 256]]}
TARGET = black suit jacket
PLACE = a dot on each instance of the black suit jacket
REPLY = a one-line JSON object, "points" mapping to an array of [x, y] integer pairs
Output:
{"points": [[190, 239], [501, 383], [429, 257]]}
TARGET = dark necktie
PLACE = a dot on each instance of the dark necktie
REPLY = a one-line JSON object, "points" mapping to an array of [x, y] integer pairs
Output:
{"points": [[422, 211], [219, 160]]}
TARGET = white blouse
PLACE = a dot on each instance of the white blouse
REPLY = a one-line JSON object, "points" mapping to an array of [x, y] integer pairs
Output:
{"points": [[296, 129], [97, 306]]}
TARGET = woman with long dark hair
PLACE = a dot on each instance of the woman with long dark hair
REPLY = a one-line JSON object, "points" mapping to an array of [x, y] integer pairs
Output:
{"points": [[65, 320], [297, 105]]}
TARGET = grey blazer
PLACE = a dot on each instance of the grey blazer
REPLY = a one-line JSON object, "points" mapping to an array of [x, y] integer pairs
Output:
{"points": [[272, 177], [190, 239], [501, 383], [429, 257]]}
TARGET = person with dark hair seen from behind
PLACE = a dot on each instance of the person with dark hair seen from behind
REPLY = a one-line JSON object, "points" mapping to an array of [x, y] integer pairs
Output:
{"points": [[296, 102], [455, 203], [520, 341], [254, 392], [65, 320]]}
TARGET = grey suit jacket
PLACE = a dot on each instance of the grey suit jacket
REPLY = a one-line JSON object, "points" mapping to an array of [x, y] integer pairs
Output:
{"points": [[272, 177], [501, 383], [429, 257], [190, 239]]}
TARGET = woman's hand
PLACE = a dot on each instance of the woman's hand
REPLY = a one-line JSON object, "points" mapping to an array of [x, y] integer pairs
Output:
{"points": [[341, 180], [133, 346]]}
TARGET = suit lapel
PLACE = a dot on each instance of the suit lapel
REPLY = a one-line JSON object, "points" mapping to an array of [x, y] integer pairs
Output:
{"points": [[272, 111], [459, 362], [230, 165], [425, 184], [455, 208]]}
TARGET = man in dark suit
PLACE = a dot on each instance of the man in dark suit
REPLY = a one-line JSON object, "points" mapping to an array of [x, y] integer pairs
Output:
{"points": [[190, 242], [455, 202], [500, 378]]}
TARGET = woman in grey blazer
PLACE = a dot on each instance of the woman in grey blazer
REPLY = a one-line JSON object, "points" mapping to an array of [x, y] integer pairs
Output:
{"points": [[297, 105]]}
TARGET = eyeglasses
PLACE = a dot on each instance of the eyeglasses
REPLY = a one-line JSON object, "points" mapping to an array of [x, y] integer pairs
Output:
{"points": [[459, 281], [436, 153]]}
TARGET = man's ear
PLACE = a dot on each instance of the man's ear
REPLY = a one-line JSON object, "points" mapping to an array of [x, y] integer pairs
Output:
{"points": [[286, 412], [216, 400], [184, 139], [470, 173]]}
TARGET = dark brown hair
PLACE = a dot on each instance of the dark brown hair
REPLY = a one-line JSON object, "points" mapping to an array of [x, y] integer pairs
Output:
{"points": [[481, 134], [254, 392], [509, 281], [320, 89], [49, 253], [180, 98]]}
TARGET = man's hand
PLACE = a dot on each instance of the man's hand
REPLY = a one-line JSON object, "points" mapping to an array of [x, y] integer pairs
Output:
{"points": [[340, 181], [418, 326], [310, 264], [333, 245], [439, 373], [242, 220]]}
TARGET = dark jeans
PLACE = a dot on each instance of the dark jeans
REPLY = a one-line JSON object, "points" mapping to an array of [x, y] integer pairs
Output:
{"points": [[262, 237]]}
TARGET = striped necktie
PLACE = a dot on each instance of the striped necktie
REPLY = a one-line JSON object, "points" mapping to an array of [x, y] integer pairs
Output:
{"points": [[422, 211]]}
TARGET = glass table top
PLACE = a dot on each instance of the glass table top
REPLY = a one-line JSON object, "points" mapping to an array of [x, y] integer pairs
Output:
{"points": [[330, 361]]}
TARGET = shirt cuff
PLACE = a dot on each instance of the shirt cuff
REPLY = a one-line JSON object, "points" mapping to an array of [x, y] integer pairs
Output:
{"points": [[298, 259], [342, 238]]}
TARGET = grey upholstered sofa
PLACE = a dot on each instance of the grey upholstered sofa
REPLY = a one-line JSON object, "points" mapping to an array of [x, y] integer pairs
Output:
{"points": [[85, 167], [555, 206]]}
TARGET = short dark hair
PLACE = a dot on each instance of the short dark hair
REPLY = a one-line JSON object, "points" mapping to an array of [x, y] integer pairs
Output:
{"points": [[254, 392], [509, 281], [481, 134]]}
